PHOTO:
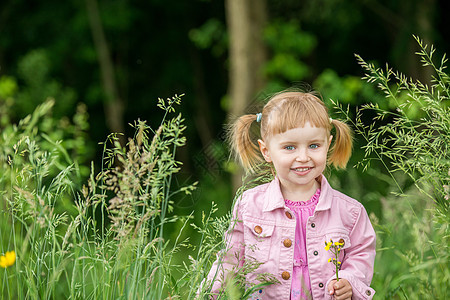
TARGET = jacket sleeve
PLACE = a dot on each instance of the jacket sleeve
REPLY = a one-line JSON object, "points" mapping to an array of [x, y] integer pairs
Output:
{"points": [[232, 256], [358, 263]]}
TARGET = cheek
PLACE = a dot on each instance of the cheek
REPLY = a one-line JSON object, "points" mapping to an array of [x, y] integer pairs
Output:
{"points": [[322, 158], [286, 162]]}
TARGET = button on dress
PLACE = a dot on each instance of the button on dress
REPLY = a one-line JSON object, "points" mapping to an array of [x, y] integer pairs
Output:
{"points": [[301, 285]]}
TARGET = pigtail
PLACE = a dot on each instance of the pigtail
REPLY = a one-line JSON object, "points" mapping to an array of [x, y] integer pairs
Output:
{"points": [[341, 150], [245, 150]]}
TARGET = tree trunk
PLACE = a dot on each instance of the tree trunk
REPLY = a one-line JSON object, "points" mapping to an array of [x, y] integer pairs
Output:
{"points": [[113, 104], [246, 20]]}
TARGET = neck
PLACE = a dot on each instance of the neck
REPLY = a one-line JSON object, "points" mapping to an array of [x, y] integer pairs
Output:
{"points": [[300, 192]]}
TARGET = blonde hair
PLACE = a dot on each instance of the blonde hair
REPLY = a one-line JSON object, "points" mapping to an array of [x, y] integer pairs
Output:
{"points": [[285, 111]]}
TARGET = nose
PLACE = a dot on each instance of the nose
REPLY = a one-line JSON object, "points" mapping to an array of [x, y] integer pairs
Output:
{"points": [[302, 155]]}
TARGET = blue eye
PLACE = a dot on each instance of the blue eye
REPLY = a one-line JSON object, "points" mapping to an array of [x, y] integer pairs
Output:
{"points": [[314, 146], [289, 147]]}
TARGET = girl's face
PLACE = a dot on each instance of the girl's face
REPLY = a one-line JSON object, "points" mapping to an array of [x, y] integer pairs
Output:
{"points": [[299, 156]]}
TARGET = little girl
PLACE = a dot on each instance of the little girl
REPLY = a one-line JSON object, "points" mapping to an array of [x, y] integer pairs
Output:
{"points": [[285, 224]]}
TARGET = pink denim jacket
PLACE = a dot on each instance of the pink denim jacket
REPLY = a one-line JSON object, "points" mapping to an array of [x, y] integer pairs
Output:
{"points": [[263, 228]]}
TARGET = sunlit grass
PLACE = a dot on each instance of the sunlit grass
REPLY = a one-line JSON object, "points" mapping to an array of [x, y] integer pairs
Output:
{"points": [[107, 240], [412, 143]]}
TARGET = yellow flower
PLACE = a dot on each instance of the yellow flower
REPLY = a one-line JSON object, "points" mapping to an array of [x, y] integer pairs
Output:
{"points": [[329, 260], [327, 247], [339, 244], [8, 259]]}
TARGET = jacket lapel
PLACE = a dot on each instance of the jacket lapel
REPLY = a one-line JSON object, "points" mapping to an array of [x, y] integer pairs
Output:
{"points": [[273, 198], [326, 195]]}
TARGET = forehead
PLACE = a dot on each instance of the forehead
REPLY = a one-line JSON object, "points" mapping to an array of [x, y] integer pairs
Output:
{"points": [[302, 134]]}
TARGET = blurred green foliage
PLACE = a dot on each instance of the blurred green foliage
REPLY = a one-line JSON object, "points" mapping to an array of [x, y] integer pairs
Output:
{"points": [[62, 134], [211, 35], [288, 45], [37, 86]]}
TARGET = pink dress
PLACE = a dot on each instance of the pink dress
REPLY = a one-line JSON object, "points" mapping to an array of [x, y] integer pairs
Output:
{"points": [[301, 286]]}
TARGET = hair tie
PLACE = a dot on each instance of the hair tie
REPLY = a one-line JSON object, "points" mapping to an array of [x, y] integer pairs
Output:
{"points": [[331, 120], [258, 117]]}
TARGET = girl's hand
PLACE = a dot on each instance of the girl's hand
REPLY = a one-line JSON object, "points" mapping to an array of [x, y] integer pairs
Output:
{"points": [[342, 289]]}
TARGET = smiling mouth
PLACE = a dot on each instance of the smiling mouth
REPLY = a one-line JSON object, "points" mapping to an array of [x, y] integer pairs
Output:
{"points": [[302, 169]]}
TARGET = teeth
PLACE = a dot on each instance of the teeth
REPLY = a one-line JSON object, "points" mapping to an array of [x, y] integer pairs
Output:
{"points": [[301, 169]]}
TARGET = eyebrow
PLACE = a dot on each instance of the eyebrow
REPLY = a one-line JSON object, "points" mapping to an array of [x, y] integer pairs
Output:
{"points": [[317, 141]]}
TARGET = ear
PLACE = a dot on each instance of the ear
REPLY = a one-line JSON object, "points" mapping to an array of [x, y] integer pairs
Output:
{"points": [[329, 141], [264, 150]]}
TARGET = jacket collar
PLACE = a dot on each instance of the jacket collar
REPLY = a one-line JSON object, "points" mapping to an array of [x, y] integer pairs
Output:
{"points": [[273, 198]]}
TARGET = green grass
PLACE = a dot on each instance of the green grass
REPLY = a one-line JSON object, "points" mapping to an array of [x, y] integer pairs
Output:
{"points": [[412, 144], [107, 239]]}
